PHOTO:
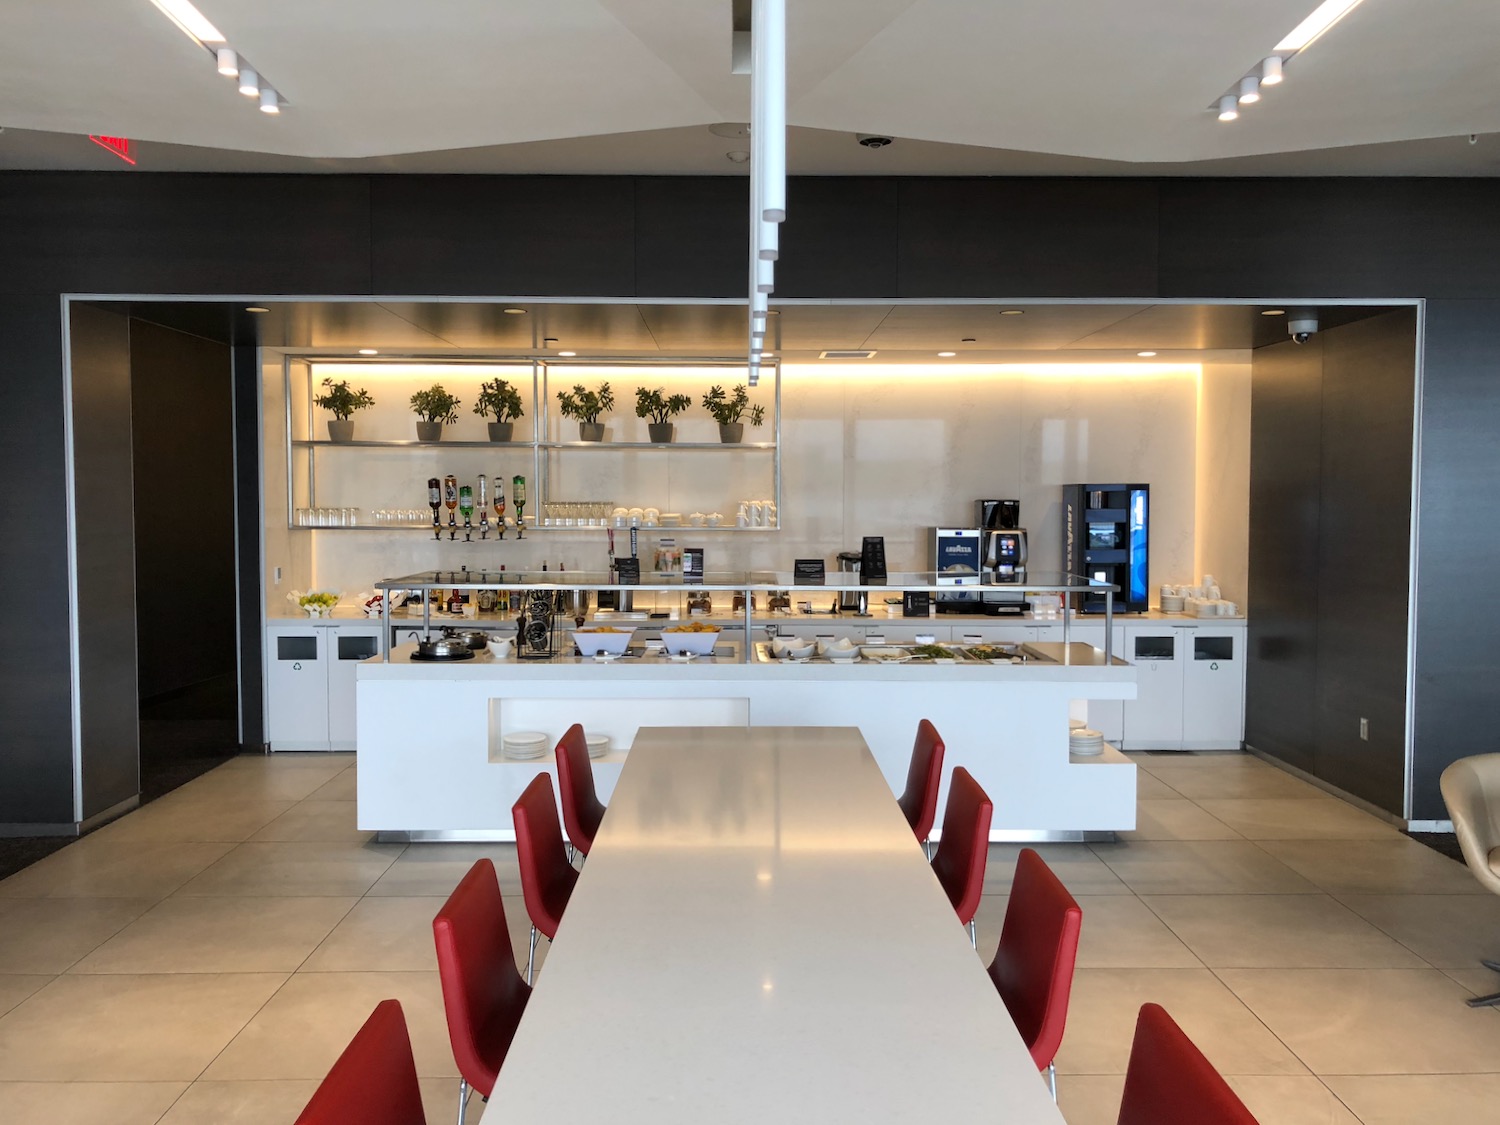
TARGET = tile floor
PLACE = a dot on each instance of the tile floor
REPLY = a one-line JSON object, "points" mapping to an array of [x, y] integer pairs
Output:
{"points": [[203, 960]]}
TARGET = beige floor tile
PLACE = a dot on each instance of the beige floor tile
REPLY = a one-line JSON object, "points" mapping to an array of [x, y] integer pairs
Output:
{"points": [[341, 788], [272, 784], [87, 1103], [1277, 818], [1479, 982], [1200, 867], [1149, 787], [308, 1023], [242, 1103], [286, 760], [395, 935], [1372, 1021], [1446, 931], [1256, 780], [435, 869], [1105, 1002], [128, 1028], [100, 869], [1119, 932], [1176, 819], [47, 935], [15, 987], [206, 820], [318, 869], [329, 821], [1279, 931], [1075, 864], [184, 934], [1395, 866], [1418, 1099], [1290, 1100], [1090, 1099]]}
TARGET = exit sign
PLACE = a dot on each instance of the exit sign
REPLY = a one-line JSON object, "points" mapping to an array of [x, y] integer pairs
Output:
{"points": [[120, 146]]}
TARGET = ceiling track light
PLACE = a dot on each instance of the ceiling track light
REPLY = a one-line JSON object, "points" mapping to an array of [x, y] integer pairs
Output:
{"points": [[249, 82], [1229, 108], [229, 62], [269, 101], [1249, 92], [1270, 70]]}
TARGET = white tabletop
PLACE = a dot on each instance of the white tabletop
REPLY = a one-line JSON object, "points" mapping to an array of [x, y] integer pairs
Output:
{"points": [[756, 937]]}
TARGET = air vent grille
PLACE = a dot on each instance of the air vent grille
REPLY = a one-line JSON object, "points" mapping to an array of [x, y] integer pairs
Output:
{"points": [[845, 355]]}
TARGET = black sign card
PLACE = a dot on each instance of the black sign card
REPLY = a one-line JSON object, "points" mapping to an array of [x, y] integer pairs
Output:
{"points": [[692, 565], [872, 560], [915, 603], [628, 571], [808, 572]]}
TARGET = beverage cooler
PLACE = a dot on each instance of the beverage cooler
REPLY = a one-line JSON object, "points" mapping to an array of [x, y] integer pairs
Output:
{"points": [[1106, 536]]}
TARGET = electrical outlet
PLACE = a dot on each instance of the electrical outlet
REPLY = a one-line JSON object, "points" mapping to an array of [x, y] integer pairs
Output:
{"points": [[278, 582], [1364, 730]]}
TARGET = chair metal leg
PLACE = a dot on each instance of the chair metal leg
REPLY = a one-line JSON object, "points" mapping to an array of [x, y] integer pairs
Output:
{"points": [[1052, 1080], [531, 955], [463, 1098], [973, 935], [1493, 966], [1485, 1001], [927, 847], [571, 852]]}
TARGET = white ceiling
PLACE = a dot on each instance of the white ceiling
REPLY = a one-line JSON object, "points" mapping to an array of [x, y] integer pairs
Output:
{"points": [[1021, 87]]}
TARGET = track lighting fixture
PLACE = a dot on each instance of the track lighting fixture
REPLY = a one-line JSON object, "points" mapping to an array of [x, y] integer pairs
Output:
{"points": [[1229, 108]]}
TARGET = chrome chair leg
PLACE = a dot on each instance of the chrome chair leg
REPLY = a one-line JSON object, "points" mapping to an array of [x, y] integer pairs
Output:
{"points": [[1052, 1080], [572, 854], [927, 847], [531, 955], [1490, 1001], [463, 1098], [973, 935]]}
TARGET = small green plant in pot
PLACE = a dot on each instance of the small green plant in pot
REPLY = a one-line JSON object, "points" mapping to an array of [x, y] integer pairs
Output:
{"points": [[586, 406], [499, 398], [342, 402], [436, 408], [729, 411], [661, 409]]}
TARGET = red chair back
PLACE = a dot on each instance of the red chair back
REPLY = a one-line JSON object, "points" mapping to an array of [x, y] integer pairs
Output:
{"points": [[547, 878], [1169, 1082], [1033, 966], [483, 993], [923, 778], [965, 846], [374, 1081], [581, 809]]}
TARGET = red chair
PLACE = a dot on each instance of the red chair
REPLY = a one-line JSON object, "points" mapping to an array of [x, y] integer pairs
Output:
{"points": [[923, 779], [547, 878], [1169, 1082], [483, 994], [374, 1081], [1033, 965], [581, 808], [965, 846]]}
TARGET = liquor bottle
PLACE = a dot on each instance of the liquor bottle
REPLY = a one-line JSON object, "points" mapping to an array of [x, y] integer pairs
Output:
{"points": [[482, 501], [518, 497], [435, 502], [466, 505], [450, 500], [500, 507]]}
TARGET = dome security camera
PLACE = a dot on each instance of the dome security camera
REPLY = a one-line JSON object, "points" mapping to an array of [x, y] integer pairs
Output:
{"points": [[872, 140], [1301, 324]]}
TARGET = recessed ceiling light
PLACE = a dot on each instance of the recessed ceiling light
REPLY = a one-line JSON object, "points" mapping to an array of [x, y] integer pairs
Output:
{"points": [[1145, 355], [514, 312], [567, 355], [256, 308], [1012, 312], [967, 340], [368, 351], [1273, 312], [549, 339], [947, 355], [1306, 33], [773, 312], [194, 24]]}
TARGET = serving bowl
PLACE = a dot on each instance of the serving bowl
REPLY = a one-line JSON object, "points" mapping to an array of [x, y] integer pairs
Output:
{"points": [[841, 647], [699, 642], [591, 642]]}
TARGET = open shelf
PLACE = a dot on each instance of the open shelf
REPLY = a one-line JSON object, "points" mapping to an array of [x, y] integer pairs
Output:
{"points": [[690, 446], [323, 443]]}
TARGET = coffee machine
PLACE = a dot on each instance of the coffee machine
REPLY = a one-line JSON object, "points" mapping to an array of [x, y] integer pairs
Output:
{"points": [[1002, 556]]}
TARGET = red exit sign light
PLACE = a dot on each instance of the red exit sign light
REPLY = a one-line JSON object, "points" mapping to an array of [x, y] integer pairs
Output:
{"points": [[120, 146]]}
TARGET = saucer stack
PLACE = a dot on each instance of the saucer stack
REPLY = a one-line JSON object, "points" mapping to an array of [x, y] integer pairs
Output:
{"points": [[524, 745], [1085, 743], [598, 745]]}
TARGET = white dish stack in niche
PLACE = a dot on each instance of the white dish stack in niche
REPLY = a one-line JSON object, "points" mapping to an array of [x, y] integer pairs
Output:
{"points": [[1085, 743], [524, 745]]}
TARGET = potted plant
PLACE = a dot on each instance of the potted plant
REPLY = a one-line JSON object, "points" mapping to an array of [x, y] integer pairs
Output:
{"points": [[436, 408], [504, 402], [728, 409], [660, 409], [586, 406], [343, 402]]}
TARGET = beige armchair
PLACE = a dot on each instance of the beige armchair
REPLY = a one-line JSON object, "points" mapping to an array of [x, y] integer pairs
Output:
{"points": [[1471, 790]]}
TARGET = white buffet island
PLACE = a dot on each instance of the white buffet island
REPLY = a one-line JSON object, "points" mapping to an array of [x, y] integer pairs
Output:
{"points": [[431, 734]]}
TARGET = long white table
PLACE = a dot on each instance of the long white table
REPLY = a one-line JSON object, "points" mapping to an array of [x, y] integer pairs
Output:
{"points": [[756, 937]]}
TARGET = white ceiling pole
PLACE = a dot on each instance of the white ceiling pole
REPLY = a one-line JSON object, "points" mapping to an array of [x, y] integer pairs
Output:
{"points": [[768, 24]]}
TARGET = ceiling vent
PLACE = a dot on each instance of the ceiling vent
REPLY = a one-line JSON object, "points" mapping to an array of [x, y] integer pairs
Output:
{"points": [[846, 355]]}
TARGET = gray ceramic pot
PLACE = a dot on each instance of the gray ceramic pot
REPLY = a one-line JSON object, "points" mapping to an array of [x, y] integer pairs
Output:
{"points": [[732, 433], [429, 431], [340, 430], [590, 431], [661, 432], [501, 431]]}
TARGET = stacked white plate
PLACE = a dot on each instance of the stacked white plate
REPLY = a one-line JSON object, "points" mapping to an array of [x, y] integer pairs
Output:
{"points": [[1085, 743], [598, 745], [524, 745], [1172, 603], [1075, 724]]}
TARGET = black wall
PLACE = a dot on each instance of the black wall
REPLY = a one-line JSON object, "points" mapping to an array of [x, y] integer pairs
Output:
{"points": [[1330, 488], [182, 423], [139, 233]]}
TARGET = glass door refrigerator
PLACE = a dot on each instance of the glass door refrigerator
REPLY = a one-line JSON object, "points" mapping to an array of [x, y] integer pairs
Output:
{"points": [[1106, 536]]}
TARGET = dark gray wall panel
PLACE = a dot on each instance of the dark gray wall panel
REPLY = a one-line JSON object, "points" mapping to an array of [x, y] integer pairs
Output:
{"points": [[1327, 238], [36, 723], [109, 732], [839, 238], [1281, 671], [692, 236], [174, 233], [248, 452], [1457, 659], [1369, 371], [1034, 238], [503, 235]]}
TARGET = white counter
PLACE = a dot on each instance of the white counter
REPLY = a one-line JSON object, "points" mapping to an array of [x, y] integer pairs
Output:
{"points": [[430, 734]]}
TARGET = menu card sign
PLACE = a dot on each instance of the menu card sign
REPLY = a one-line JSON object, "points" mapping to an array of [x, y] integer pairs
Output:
{"points": [[915, 603], [692, 565], [808, 572], [872, 560], [628, 571]]}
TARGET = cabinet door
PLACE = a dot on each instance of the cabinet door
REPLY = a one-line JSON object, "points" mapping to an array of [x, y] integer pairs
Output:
{"points": [[296, 689], [348, 645], [1153, 719], [1213, 705]]}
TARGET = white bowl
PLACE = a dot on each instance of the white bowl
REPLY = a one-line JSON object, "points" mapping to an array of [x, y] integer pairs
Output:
{"points": [[798, 650], [841, 647], [592, 641], [843, 656], [500, 647], [699, 644]]}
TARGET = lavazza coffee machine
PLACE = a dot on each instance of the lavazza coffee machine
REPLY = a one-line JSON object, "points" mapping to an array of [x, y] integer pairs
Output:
{"points": [[1002, 546]]}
